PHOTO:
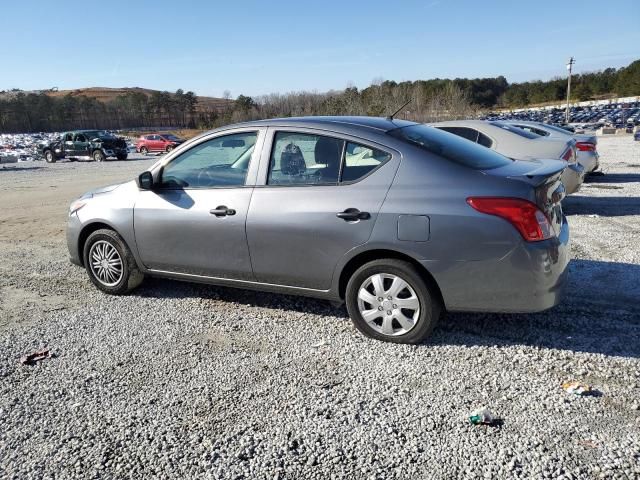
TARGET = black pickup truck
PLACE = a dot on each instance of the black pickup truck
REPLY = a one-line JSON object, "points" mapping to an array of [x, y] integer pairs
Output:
{"points": [[95, 145]]}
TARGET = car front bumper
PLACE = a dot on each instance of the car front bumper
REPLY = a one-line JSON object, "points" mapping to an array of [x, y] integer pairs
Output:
{"points": [[74, 227], [531, 278]]}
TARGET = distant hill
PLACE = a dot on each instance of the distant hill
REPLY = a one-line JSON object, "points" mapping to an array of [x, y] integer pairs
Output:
{"points": [[106, 94]]}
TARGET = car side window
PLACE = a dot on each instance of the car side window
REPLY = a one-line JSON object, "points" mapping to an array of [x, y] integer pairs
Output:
{"points": [[484, 140], [81, 138], [68, 137], [464, 132], [359, 161], [219, 162], [305, 159]]}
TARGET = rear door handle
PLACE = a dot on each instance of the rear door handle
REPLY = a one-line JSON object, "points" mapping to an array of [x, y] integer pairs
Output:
{"points": [[222, 211], [353, 214]]}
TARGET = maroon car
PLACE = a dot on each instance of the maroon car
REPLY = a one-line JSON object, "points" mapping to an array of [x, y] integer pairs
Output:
{"points": [[157, 142]]}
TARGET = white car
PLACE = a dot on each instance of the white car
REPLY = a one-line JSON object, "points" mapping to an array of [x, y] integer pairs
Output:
{"points": [[586, 145]]}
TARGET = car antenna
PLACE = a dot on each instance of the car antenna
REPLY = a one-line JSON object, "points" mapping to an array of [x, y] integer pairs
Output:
{"points": [[390, 117]]}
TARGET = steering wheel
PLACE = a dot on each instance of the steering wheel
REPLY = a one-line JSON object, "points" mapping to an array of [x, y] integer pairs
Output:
{"points": [[205, 178]]}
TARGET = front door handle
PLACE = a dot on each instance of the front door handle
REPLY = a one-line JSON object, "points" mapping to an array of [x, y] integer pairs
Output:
{"points": [[353, 214], [222, 211]]}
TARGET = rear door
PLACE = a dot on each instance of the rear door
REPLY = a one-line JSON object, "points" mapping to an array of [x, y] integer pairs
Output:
{"points": [[194, 222], [318, 197]]}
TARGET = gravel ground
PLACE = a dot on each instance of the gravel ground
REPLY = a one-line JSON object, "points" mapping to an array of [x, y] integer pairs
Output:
{"points": [[181, 381]]}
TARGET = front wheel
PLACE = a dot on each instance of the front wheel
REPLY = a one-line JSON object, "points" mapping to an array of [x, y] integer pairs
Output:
{"points": [[98, 156], [49, 157], [110, 263], [169, 148], [388, 299], [144, 150]]}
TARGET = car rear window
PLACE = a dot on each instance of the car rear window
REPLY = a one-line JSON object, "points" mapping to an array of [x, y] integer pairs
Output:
{"points": [[451, 147], [515, 130]]}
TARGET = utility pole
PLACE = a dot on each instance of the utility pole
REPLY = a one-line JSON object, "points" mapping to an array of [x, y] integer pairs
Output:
{"points": [[569, 67]]}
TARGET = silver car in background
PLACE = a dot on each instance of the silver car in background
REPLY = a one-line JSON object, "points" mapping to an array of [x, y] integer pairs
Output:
{"points": [[519, 144], [586, 145], [399, 220]]}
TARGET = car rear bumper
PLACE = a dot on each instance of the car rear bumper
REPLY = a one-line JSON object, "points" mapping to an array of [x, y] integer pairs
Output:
{"points": [[589, 160], [572, 177], [531, 278]]}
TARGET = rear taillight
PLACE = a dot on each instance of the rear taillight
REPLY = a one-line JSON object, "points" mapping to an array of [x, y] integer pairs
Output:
{"points": [[528, 219], [586, 147]]}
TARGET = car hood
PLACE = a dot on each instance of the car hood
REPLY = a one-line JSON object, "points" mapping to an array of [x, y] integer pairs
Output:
{"points": [[107, 189]]}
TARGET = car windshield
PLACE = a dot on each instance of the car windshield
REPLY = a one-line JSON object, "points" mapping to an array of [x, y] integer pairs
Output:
{"points": [[451, 147], [171, 137]]}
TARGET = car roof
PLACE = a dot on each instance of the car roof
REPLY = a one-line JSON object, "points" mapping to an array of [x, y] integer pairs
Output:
{"points": [[342, 123]]}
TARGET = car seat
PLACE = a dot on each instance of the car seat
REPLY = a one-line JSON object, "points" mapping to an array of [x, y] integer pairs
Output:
{"points": [[328, 151]]}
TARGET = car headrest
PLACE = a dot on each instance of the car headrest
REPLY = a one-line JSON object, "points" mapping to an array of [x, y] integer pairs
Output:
{"points": [[292, 161]]}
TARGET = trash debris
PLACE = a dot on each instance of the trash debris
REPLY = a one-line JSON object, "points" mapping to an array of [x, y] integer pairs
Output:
{"points": [[482, 416], [32, 358], [593, 215], [577, 388], [321, 343]]}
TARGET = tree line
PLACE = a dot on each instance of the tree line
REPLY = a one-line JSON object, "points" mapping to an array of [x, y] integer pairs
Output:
{"points": [[429, 100]]}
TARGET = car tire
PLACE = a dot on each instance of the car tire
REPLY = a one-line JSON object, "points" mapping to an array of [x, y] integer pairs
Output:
{"points": [[169, 148], [98, 156], [121, 157], [123, 275], [49, 156], [144, 150], [377, 278]]}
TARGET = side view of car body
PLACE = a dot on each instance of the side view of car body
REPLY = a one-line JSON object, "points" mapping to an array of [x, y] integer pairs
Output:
{"points": [[586, 145], [398, 220], [157, 142], [518, 144]]}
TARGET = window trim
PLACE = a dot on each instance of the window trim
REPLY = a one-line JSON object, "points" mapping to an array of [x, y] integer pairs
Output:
{"points": [[345, 138], [251, 170]]}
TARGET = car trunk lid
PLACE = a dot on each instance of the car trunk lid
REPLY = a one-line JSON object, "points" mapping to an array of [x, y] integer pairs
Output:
{"points": [[544, 177]]}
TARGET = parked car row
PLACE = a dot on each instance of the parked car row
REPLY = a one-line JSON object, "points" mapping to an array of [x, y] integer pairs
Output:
{"points": [[618, 115], [526, 141], [400, 221]]}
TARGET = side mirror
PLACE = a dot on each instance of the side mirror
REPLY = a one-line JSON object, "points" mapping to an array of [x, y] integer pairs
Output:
{"points": [[145, 181]]}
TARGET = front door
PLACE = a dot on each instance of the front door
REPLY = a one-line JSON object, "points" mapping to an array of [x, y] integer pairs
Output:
{"points": [[321, 199], [194, 221], [81, 145]]}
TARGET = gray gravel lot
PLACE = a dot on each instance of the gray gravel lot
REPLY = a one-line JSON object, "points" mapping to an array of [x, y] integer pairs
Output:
{"points": [[190, 381]]}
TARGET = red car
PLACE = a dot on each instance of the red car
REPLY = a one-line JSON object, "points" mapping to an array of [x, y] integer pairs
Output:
{"points": [[157, 142]]}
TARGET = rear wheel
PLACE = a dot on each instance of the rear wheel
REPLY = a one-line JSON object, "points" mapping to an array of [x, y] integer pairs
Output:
{"points": [[110, 263], [144, 150], [49, 157], [98, 156], [388, 299]]}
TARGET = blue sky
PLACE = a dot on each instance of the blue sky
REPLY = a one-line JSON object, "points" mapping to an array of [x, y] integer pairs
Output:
{"points": [[254, 48]]}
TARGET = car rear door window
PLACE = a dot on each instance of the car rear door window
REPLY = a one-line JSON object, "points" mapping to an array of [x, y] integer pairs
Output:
{"points": [[359, 161], [305, 159], [219, 162]]}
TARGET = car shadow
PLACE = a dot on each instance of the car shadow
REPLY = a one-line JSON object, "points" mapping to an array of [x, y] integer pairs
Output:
{"points": [[16, 169], [613, 178], [602, 206], [599, 314]]}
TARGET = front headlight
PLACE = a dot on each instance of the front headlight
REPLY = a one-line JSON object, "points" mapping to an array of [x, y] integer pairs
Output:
{"points": [[78, 204]]}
